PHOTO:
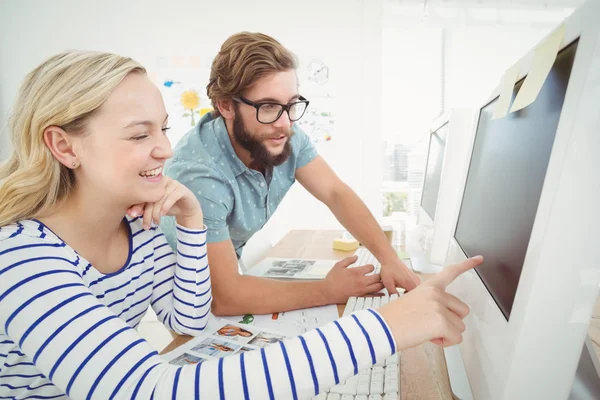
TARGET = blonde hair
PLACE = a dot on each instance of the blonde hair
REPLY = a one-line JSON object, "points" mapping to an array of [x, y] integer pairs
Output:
{"points": [[63, 91], [244, 58]]}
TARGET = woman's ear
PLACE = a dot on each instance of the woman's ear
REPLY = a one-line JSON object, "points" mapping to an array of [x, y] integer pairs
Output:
{"points": [[60, 145]]}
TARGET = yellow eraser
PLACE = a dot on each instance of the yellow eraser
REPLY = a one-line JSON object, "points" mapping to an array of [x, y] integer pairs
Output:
{"points": [[345, 244]]}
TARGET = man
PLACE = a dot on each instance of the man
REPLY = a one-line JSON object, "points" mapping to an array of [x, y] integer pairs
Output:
{"points": [[242, 159]]}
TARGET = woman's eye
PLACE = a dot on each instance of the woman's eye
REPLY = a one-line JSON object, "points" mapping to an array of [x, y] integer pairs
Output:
{"points": [[139, 137], [165, 129]]}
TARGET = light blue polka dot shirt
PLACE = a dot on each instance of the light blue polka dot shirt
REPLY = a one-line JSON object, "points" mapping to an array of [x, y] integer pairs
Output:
{"points": [[236, 200]]}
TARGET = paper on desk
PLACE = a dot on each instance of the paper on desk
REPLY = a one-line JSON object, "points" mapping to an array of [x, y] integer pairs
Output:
{"points": [[506, 91], [292, 268], [292, 323], [544, 57], [222, 338]]}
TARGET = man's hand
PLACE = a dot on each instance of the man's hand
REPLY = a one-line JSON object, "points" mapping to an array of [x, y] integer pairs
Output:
{"points": [[342, 282], [396, 274]]}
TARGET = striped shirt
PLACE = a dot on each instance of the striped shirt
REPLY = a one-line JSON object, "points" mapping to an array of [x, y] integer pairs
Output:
{"points": [[67, 330]]}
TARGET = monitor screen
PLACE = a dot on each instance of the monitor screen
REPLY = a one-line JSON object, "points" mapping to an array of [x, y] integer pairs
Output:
{"points": [[433, 171], [506, 175]]}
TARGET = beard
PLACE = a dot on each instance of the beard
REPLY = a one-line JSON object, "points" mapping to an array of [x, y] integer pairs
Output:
{"points": [[261, 157]]}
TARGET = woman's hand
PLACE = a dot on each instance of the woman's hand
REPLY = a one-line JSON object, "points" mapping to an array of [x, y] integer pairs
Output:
{"points": [[177, 201], [428, 313]]}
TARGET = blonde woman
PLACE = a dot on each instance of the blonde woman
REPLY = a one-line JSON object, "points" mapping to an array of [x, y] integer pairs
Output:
{"points": [[81, 259]]}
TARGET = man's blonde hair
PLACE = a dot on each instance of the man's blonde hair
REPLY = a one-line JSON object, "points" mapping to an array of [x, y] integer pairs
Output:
{"points": [[63, 91], [244, 58]]}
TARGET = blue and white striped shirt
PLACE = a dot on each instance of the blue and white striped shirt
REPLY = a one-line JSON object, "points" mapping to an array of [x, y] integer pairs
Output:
{"points": [[67, 330]]}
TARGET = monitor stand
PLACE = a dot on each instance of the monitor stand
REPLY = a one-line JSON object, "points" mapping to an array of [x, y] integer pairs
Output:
{"points": [[586, 385], [459, 381], [420, 264]]}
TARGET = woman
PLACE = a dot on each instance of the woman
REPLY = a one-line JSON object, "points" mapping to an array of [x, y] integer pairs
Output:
{"points": [[76, 276]]}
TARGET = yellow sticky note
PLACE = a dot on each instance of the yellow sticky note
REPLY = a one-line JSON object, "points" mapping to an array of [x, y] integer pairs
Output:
{"points": [[506, 91], [544, 57]]}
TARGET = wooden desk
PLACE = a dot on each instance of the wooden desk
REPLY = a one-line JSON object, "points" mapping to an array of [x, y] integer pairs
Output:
{"points": [[423, 369], [594, 329]]}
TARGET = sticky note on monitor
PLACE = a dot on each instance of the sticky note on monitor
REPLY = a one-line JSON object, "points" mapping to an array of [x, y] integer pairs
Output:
{"points": [[544, 57], [506, 91]]}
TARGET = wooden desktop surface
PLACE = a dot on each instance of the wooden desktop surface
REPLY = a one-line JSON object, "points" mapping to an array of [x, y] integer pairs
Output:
{"points": [[423, 371]]}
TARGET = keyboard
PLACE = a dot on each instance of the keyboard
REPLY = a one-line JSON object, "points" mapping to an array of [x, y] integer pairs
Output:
{"points": [[380, 382], [365, 257]]}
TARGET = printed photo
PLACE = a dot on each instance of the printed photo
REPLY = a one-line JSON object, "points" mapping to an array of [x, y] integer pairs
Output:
{"points": [[264, 339], [287, 270], [215, 347], [236, 333], [186, 359], [243, 349]]}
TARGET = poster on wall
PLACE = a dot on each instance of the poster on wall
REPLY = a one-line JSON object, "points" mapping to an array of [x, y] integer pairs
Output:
{"points": [[182, 82]]}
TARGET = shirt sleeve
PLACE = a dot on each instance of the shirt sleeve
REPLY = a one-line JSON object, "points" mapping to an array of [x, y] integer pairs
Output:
{"points": [[212, 191], [306, 152], [87, 352], [181, 293]]}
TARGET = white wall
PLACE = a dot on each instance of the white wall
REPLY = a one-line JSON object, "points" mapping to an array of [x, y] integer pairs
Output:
{"points": [[452, 54], [478, 56], [343, 33]]}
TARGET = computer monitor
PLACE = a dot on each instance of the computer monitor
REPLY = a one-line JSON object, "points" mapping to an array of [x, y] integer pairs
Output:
{"points": [[530, 207], [448, 146]]}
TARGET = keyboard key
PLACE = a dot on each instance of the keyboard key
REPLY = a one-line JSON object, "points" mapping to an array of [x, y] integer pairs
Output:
{"points": [[391, 371], [349, 387], [392, 385], [376, 302], [368, 303], [350, 305], [360, 302], [347, 397], [375, 397], [361, 397], [363, 388], [334, 396], [385, 299], [391, 396], [320, 396], [376, 388], [393, 359]]}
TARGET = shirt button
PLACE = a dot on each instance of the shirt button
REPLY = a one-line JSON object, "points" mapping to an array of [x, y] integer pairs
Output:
{"points": [[262, 184]]}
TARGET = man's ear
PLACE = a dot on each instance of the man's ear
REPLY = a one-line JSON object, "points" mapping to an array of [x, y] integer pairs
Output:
{"points": [[61, 147], [226, 108]]}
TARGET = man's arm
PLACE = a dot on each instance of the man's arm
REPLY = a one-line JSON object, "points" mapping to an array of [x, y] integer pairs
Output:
{"points": [[320, 180], [235, 294]]}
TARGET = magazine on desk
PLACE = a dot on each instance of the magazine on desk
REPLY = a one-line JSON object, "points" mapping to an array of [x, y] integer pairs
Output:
{"points": [[292, 268], [222, 338]]}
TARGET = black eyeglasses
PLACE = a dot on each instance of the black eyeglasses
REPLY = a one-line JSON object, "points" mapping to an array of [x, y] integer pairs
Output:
{"points": [[269, 112]]}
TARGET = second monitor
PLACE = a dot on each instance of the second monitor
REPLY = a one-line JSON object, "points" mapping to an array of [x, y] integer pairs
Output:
{"points": [[450, 136]]}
